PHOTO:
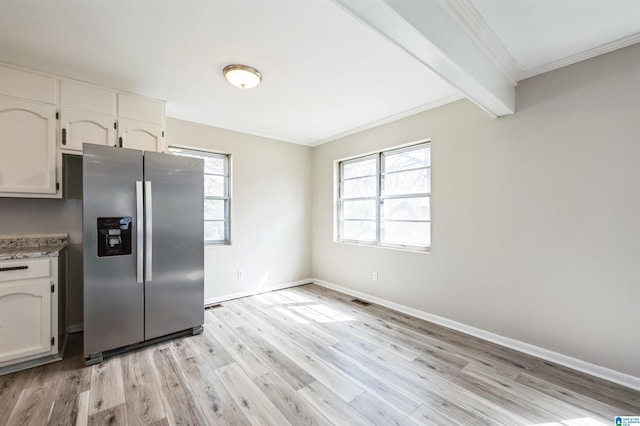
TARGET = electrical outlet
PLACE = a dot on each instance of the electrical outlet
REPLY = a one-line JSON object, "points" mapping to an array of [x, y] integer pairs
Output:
{"points": [[240, 273], [375, 276]]}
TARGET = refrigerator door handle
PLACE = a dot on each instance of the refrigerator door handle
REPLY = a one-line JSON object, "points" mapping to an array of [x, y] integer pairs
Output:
{"points": [[139, 233], [148, 220]]}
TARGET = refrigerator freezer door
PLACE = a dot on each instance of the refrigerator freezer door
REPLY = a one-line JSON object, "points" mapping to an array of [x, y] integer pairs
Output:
{"points": [[174, 297], [113, 300]]}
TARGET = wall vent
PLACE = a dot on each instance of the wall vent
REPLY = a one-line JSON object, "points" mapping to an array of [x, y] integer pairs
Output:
{"points": [[361, 302], [217, 305]]}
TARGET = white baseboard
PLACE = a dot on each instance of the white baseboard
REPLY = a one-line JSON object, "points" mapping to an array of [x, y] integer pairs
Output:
{"points": [[75, 328], [558, 358], [218, 299]]}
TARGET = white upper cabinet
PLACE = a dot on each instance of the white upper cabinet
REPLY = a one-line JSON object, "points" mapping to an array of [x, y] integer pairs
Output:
{"points": [[86, 97], [27, 85], [43, 116], [27, 134], [87, 115], [140, 109], [91, 114], [140, 135], [27, 149], [140, 123], [78, 127]]}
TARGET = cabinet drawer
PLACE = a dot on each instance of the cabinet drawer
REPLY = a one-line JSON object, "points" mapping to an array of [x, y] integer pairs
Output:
{"points": [[13, 270]]}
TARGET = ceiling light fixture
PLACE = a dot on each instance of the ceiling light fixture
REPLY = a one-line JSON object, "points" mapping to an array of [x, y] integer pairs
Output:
{"points": [[242, 76]]}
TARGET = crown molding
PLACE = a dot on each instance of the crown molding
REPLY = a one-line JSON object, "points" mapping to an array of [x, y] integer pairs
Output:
{"points": [[413, 111], [212, 123], [582, 56], [395, 117], [471, 21]]}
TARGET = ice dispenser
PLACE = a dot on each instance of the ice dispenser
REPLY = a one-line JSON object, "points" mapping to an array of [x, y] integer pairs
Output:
{"points": [[114, 236]]}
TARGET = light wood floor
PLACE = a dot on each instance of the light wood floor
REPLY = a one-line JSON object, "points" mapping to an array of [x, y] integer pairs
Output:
{"points": [[311, 356]]}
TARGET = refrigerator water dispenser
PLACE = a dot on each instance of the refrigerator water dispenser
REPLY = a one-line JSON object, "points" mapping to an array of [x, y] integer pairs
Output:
{"points": [[114, 236]]}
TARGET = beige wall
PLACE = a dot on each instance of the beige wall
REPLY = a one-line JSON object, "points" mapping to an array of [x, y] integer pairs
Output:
{"points": [[536, 216], [35, 216], [271, 210]]}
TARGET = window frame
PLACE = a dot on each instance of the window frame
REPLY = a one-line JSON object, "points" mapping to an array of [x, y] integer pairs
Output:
{"points": [[341, 199], [204, 153], [380, 198]]}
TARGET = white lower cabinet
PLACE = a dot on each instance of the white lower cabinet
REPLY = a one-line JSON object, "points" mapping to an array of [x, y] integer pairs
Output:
{"points": [[28, 309], [25, 319]]}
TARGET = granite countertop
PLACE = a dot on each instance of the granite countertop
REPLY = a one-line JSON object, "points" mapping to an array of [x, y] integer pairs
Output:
{"points": [[29, 246]]}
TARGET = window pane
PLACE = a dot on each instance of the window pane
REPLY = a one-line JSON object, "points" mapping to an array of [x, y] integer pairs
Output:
{"points": [[214, 209], [214, 186], [413, 182], [361, 187], [359, 209], [407, 208], [214, 231], [359, 230], [387, 202], [214, 165], [406, 233], [408, 159], [360, 168]]}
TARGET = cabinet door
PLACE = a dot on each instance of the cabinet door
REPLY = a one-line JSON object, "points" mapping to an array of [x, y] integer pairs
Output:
{"points": [[78, 127], [87, 97], [27, 148], [134, 107], [140, 135], [25, 318], [30, 85]]}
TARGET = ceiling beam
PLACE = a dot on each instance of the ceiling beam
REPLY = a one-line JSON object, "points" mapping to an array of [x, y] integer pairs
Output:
{"points": [[425, 30]]}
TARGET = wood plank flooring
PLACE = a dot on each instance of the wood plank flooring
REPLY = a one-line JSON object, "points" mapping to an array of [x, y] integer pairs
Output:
{"points": [[311, 356]]}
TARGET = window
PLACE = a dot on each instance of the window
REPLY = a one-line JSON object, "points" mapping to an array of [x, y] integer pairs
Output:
{"points": [[385, 198], [216, 193]]}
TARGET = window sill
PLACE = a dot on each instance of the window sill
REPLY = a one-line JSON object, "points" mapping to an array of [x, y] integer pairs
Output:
{"points": [[225, 243], [384, 246]]}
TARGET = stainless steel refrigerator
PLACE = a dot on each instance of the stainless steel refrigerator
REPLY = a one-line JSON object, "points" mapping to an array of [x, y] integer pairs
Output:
{"points": [[143, 248]]}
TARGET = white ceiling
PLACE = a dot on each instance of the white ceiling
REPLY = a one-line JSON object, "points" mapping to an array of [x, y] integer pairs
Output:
{"points": [[544, 32], [325, 71]]}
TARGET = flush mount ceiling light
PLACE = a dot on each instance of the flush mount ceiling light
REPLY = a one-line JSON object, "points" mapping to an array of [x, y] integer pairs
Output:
{"points": [[242, 76]]}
